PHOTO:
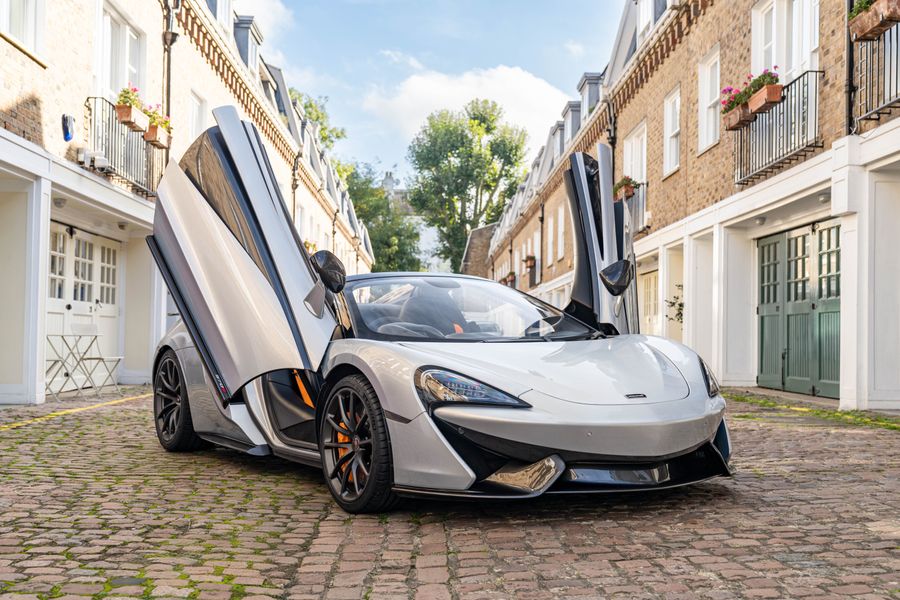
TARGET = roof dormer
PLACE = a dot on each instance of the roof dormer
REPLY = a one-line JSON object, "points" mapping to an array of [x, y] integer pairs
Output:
{"points": [[248, 39], [571, 115], [589, 91]]}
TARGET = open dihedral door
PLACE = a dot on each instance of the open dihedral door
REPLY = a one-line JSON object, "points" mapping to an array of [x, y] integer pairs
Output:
{"points": [[604, 290], [233, 262]]}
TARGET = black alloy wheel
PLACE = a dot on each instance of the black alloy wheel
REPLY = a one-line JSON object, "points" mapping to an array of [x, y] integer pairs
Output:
{"points": [[171, 412], [353, 440]]}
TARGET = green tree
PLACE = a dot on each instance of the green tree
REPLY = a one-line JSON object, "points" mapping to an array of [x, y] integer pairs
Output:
{"points": [[316, 111], [467, 166], [394, 237]]}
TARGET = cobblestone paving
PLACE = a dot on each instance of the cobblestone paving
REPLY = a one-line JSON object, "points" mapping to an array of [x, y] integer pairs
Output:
{"points": [[91, 506]]}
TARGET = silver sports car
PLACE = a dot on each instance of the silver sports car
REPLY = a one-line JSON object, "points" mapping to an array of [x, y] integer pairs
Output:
{"points": [[415, 384]]}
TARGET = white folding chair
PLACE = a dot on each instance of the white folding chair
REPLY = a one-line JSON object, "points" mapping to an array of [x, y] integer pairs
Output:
{"points": [[90, 358]]}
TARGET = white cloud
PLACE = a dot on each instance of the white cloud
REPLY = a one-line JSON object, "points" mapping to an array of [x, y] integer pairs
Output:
{"points": [[401, 58], [574, 49], [527, 100]]}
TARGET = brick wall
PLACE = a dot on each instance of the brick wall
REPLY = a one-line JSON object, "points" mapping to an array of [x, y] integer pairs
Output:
{"points": [[702, 178]]}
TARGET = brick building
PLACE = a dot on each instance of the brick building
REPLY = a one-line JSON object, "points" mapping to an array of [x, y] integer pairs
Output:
{"points": [[769, 249], [77, 187]]}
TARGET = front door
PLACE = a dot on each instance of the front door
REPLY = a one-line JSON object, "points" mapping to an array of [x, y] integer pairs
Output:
{"points": [[799, 310], [82, 289], [233, 262]]}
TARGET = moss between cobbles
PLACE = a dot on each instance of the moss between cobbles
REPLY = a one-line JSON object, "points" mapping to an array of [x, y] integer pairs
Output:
{"points": [[850, 417]]}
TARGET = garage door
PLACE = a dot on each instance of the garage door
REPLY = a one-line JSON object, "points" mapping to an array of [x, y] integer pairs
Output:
{"points": [[799, 310], [83, 287]]}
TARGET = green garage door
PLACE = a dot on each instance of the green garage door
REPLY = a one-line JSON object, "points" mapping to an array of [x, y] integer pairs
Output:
{"points": [[799, 310]]}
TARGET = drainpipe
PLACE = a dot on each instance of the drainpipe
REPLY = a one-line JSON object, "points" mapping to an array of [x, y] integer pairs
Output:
{"points": [[295, 183], [334, 232], [849, 88], [170, 10], [540, 267], [611, 133]]}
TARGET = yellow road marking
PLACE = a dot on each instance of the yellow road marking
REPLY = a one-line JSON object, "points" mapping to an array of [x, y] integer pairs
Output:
{"points": [[68, 411]]}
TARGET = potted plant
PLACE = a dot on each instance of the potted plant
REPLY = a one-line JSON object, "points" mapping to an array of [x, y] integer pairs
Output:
{"points": [[868, 19], [765, 91], [530, 261], [735, 111], [159, 133], [624, 188], [129, 111]]}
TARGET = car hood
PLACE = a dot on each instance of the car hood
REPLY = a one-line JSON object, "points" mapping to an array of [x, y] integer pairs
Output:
{"points": [[617, 370]]}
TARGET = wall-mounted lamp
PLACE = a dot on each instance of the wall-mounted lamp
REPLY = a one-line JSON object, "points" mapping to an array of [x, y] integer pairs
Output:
{"points": [[761, 220], [59, 202], [122, 225], [824, 198]]}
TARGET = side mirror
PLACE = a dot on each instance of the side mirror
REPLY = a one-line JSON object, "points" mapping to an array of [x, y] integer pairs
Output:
{"points": [[330, 269], [617, 277]]}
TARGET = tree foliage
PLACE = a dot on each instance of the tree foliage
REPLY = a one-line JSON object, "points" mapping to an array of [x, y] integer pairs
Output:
{"points": [[394, 237], [316, 111], [467, 165]]}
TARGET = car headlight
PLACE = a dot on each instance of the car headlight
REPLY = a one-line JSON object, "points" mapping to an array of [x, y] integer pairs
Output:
{"points": [[712, 385], [436, 387]]}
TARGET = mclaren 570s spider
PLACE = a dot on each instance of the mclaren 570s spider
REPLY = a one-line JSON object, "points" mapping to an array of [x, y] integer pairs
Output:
{"points": [[415, 384]]}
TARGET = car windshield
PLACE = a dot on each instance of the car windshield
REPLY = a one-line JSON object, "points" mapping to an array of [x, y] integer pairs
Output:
{"points": [[434, 308]]}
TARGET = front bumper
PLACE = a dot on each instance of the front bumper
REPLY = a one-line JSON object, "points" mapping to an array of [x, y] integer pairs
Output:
{"points": [[588, 457]]}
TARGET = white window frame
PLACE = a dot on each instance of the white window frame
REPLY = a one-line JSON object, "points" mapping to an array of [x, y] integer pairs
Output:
{"points": [[122, 49], [31, 38], [644, 18], [225, 14], [196, 114], [560, 232], [794, 43], [672, 132], [635, 153], [708, 106], [550, 231]]}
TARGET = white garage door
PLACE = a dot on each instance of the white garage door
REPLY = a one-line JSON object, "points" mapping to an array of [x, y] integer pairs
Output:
{"points": [[84, 287]]}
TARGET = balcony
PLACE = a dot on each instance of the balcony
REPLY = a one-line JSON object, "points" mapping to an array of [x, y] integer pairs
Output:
{"points": [[788, 132], [118, 153], [877, 76]]}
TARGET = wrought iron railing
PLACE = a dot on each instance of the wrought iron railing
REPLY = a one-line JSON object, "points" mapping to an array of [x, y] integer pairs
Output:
{"points": [[118, 152], [637, 206], [878, 75], [787, 132]]}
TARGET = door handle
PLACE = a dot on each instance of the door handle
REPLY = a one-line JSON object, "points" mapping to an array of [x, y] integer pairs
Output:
{"points": [[68, 307]]}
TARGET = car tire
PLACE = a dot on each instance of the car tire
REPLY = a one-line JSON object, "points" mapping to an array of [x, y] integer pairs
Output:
{"points": [[171, 410], [360, 453]]}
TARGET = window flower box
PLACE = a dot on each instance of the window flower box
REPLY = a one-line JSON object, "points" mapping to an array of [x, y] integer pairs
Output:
{"points": [[624, 188], [132, 117], [157, 136], [867, 24], [530, 262], [763, 100], [738, 117]]}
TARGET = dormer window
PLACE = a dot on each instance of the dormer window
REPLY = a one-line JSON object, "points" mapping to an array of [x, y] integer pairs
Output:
{"points": [[224, 13], [644, 19], [248, 39]]}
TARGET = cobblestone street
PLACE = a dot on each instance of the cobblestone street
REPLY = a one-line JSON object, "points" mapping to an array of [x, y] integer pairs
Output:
{"points": [[91, 506]]}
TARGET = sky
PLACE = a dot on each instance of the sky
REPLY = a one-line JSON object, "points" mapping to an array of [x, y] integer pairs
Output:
{"points": [[385, 65]]}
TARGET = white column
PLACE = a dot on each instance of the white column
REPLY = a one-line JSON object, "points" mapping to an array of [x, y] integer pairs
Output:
{"points": [[717, 300], [661, 290], [687, 329], [37, 257], [738, 340]]}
